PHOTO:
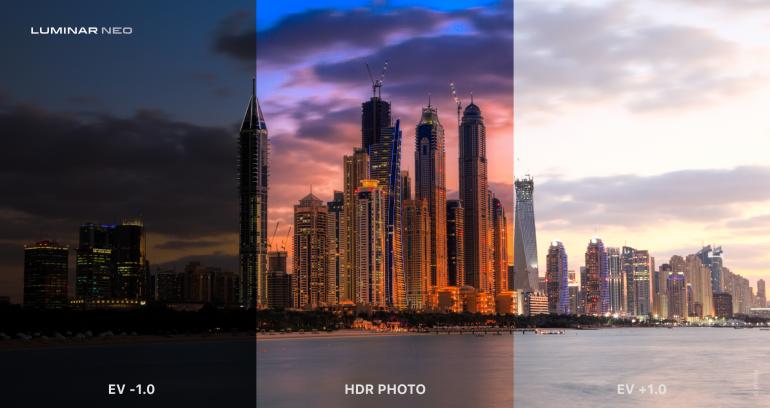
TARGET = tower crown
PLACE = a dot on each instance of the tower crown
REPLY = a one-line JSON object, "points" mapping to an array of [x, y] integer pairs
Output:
{"points": [[253, 119]]}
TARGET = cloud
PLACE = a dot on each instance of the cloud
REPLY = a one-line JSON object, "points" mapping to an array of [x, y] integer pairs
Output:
{"points": [[637, 201], [60, 170], [289, 40], [236, 37], [573, 54]]}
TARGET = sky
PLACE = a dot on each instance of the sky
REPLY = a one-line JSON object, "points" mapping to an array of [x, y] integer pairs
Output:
{"points": [[645, 123], [312, 79], [101, 129]]}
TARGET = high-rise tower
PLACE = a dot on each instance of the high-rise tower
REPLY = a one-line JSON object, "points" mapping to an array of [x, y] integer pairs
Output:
{"points": [[356, 168], [430, 185], [557, 279], [311, 252], [385, 156], [252, 178], [597, 300], [473, 194], [525, 239], [499, 246], [370, 241]]}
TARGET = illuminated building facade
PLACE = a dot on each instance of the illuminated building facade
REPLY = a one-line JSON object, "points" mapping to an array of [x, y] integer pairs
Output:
{"points": [[311, 251], [637, 270], [370, 239], [557, 288], [677, 296], [473, 194], [596, 295], [45, 275], [336, 214], [699, 277], [252, 183], [430, 185], [499, 246], [355, 169], [385, 167], [525, 238], [616, 281], [455, 230], [416, 246]]}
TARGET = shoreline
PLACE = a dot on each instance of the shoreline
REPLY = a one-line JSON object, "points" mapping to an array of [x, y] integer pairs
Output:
{"points": [[14, 345], [337, 334]]}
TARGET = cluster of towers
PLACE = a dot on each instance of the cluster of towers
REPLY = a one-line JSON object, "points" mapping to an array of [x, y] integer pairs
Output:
{"points": [[624, 281], [388, 240]]}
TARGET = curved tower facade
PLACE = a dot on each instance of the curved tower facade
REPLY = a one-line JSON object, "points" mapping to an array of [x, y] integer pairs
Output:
{"points": [[525, 238]]}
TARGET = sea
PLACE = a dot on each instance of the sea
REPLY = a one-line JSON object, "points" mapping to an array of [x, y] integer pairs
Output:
{"points": [[624, 367]]}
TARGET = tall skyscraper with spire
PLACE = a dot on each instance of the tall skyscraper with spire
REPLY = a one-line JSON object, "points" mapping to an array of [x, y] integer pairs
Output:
{"points": [[473, 194], [430, 185], [525, 238], [252, 179]]}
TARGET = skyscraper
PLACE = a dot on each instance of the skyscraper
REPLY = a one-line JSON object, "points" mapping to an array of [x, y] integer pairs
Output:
{"points": [[111, 262], [761, 297], [370, 244], [430, 184], [637, 268], [355, 169], [643, 282], [375, 115], [94, 262], [712, 259], [525, 239], [386, 169], [556, 277], [132, 270], [596, 297], [311, 252], [45, 275], [455, 243], [499, 246], [617, 288], [252, 178], [699, 277], [473, 194], [417, 259], [279, 281], [677, 295], [336, 256]]}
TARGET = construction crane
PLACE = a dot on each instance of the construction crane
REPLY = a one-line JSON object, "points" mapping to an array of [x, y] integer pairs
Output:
{"points": [[283, 244], [457, 101], [377, 83], [271, 240]]}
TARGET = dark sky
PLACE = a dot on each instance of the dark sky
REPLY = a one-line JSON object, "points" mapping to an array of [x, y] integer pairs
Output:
{"points": [[102, 128]]}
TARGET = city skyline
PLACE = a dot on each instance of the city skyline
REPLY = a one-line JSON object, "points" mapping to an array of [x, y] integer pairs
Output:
{"points": [[659, 142]]}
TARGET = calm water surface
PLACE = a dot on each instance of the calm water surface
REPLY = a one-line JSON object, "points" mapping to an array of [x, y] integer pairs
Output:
{"points": [[457, 370], [698, 367], [686, 367]]}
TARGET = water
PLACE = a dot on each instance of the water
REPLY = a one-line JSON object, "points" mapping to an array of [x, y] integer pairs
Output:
{"points": [[696, 367], [457, 370], [684, 367]]}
